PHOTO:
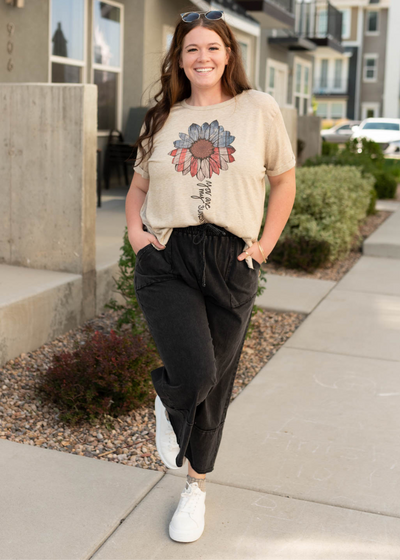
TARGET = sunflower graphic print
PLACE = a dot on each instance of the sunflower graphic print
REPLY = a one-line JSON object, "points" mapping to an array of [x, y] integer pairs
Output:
{"points": [[205, 150]]}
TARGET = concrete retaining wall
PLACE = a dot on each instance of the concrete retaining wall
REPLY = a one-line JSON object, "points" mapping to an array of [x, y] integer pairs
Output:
{"points": [[48, 140], [36, 306], [290, 119], [308, 130]]}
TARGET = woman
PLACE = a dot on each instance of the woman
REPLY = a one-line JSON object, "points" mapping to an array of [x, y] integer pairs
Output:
{"points": [[194, 211]]}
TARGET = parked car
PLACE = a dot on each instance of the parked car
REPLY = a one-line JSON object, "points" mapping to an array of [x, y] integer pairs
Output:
{"points": [[384, 132], [393, 148], [339, 133]]}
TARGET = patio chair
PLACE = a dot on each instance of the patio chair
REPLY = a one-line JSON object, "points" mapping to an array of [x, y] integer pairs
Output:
{"points": [[119, 150]]}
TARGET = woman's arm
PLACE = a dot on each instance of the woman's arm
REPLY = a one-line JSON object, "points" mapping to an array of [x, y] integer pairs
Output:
{"points": [[138, 238], [280, 204]]}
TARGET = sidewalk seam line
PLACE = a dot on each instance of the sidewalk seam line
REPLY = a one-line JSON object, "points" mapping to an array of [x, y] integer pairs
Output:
{"points": [[339, 354], [122, 521], [303, 499]]}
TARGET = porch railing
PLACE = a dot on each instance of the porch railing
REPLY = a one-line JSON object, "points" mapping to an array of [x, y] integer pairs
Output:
{"points": [[287, 5], [318, 19], [323, 85]]}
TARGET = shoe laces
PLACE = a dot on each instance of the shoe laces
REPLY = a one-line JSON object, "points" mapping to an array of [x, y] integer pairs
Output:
{"points": [[172, 442], [191, 498]]}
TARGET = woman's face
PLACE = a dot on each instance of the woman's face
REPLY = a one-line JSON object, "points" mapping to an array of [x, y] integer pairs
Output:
{"points": [[203, 49]]}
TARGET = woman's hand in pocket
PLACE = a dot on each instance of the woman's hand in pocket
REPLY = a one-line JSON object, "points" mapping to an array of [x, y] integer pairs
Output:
{"points": [[253, 252], [139, 239]]}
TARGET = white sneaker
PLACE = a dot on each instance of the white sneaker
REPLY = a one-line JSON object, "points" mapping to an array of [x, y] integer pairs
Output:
{"points": [[187, 523], [167, 445]]}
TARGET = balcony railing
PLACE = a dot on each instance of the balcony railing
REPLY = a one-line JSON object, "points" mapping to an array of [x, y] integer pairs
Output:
{"points": [[287, 5], [318, 19], [323, 86]]}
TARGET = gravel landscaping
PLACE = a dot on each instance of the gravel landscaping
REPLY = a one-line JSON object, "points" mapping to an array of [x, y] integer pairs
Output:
{"points": [[129, 439]]}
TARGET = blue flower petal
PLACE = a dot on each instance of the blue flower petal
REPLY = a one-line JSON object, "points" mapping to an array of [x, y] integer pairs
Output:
{"points": [[194, 132], [213, 131], [185, 142], [184, 136], [224, 139], [205, 131]]}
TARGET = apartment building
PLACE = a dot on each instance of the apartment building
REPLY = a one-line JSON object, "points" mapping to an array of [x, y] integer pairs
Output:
{"points": [[118, 45], [365, 80]]}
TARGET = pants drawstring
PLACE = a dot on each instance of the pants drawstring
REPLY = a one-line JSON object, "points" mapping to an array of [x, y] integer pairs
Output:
{"points": [[202, 238]]}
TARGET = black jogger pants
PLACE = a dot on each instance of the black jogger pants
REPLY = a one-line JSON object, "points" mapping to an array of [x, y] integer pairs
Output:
{"points": [[197, 299]]}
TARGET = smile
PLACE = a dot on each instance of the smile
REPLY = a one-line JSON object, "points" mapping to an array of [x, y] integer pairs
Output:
{"points": [[203, 70]]}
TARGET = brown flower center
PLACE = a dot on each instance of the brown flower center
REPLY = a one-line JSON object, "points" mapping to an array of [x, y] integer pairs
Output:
{"points": [[202, 149]]}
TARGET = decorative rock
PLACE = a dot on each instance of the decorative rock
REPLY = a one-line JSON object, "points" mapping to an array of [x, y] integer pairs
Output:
{"points": [[131, 441]]}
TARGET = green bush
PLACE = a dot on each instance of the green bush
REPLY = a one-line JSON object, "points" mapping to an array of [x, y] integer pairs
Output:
{"points": [[392, 165], [372, 203], [131, 313], [301, 252], [108, 374], [329, 148], [330, 203], [371, 161], [385, 184]]}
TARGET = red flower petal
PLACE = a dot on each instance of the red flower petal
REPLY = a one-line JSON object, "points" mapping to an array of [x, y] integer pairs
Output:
{"points": [[182, 157], [193, 166], [214, 165]]}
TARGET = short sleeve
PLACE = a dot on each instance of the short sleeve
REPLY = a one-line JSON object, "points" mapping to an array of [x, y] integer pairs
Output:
{"points": [[279, 156], [143, 167]]}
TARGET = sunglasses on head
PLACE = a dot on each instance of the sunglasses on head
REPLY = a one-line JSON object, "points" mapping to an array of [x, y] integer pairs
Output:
{"points": [[188, 17]]}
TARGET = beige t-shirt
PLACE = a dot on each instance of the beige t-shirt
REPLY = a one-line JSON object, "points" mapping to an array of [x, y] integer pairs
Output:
{"points": [[208, 164]]}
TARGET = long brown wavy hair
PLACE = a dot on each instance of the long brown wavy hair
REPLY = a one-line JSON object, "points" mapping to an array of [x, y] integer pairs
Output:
{"points": [[175, 85]]}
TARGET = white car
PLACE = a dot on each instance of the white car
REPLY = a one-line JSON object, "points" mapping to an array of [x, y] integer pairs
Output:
{"points": [[340, 133], [386, 132]]}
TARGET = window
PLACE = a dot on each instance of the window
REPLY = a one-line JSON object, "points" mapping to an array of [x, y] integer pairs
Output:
{"points": [[381, 126], [271, 81], [369, 110], [324, 73], [107, 62], [169, 40], [322, 110], [332, 110], [244, 48], [346, 23], [168, 33], [306, 83], [298, 78], [337, 110], [372, 22], [322, 22], [302, 89], [337, 84], [277, 80], [370, 67], [67, 36]]}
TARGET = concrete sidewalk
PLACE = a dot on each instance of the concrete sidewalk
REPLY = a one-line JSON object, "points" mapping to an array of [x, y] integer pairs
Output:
{"points": [[308, 467]]}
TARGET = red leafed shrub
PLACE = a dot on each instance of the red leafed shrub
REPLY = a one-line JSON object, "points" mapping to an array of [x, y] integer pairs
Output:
{"points": [[108, 374]]}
